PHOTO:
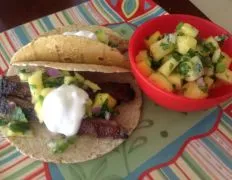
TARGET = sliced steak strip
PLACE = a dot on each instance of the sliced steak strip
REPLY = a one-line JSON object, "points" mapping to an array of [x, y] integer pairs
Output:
{"points": [[102, 128], [11, 86]]}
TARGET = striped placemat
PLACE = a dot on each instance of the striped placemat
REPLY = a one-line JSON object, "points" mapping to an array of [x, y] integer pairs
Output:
{"points": [[194, 146]]}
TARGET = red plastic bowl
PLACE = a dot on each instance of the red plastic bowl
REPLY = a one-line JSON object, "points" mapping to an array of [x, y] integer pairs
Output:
{"points": [[167, 24]]}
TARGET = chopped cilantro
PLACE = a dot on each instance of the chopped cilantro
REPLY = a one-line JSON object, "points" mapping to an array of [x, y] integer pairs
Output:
{"points": [[179, 26], [3, 122], [191, 53], [177, 56], [184, 68], [208, 47], [58, 145], [221, 38], [104, 109], [50, 82], [32, 86], [165, 46]]}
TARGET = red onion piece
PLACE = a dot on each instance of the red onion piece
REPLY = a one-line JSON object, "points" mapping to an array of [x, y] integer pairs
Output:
{"points": [[96, 110], [53, 72], [201, 82]]}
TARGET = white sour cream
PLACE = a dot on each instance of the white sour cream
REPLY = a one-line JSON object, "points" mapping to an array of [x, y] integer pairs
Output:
{"points": [[83, 33], [63, 109]]}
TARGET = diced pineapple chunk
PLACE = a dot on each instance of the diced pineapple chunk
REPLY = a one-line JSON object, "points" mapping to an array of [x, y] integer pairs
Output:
{"points": [[167, 68], [144, 68], [225, 76], [35, 80], [24, 76], [69, 80], [36, 84], [176, 80], [216, 55], [161, 81], [101, 98], [153, 38], [142, 56], [209, 81], [211, 40], [79, 77], [185, 43], [192, 90], [44, 92], [226, 60], [188, 29], [161, 48], [92, 85]]}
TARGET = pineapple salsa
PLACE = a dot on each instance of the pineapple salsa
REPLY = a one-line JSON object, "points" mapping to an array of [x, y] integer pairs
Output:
{"points": [[183, 63]]}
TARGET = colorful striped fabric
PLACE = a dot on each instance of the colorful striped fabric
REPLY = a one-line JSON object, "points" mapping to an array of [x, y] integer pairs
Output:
{"points": [[206, 156]]}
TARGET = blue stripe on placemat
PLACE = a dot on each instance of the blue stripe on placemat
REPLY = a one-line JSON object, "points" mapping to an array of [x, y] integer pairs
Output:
{"points": [[227, 119], [168, 172], [86, 14], [9, 158], [55, 172], [48, 23], [21, 34]]}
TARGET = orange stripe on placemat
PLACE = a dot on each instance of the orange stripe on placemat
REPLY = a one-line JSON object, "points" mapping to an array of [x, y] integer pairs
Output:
{"points": [[34, 174], [9, 40], [17, 162], [2, 146]]}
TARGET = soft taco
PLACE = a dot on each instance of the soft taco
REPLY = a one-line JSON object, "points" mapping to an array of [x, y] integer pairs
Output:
{"points": [[68, 110]]}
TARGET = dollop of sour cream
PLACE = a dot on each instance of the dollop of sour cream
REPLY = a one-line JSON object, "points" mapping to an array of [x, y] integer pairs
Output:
{"points": [[63, 109], [82, 33]]}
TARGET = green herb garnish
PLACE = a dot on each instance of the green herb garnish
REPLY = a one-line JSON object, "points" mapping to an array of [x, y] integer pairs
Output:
{"points": [[105, 109], [58, 145], [3, 122], [32, 86], [50, 82], [184, 68], [221, 38], [177, 56], [179, 26], [17, 126], [164, 46]]}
